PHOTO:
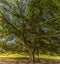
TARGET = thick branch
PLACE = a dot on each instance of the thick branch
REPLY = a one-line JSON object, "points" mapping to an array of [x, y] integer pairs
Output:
{"points": [[7, 22], [50, 20]]}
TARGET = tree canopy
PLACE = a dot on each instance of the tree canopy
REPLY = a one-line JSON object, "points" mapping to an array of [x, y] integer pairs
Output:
{"points": [[33, 25]]}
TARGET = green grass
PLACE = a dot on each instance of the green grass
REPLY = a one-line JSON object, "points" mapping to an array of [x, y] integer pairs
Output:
{"points": [[12, 55], [49, 57], [22, 55]]}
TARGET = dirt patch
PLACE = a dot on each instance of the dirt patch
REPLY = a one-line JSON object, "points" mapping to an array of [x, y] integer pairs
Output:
{"points": [[26, 61]]}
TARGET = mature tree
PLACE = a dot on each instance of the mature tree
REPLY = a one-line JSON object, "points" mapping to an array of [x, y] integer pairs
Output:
{"points": [[36, 23]]}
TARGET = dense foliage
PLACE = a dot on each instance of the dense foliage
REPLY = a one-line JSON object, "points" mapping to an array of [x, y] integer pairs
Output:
{"points": [[32, 26]]}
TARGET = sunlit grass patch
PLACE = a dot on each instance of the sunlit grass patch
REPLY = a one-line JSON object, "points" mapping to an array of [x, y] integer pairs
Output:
{"points": [[49, 57], [22, 56], [12, 55]]}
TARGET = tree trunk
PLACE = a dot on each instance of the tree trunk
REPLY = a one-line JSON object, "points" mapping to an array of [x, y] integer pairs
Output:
{"points": [[32, 56]]}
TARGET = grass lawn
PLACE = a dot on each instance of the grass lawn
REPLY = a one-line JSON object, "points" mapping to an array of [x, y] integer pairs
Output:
{"points": [[22, 55]]}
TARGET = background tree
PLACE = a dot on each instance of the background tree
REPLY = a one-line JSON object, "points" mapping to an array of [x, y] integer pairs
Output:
{"points": [[35, 24]]}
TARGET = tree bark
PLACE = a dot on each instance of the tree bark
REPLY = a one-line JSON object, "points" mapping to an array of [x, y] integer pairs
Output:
{"points": [[32, 56]]}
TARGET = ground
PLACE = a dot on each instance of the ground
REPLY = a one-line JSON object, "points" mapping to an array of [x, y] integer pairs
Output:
{"points": [[24, 59]]}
